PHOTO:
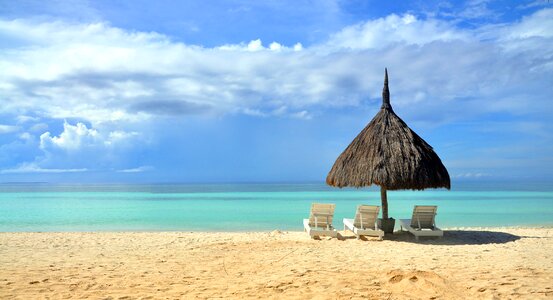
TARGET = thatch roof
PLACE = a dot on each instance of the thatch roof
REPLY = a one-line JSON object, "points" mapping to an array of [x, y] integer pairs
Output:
{"points": [[389, 154]]}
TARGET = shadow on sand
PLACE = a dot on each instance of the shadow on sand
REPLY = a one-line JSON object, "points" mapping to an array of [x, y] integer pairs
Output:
{"points": [[458, 237], [451, 237]]}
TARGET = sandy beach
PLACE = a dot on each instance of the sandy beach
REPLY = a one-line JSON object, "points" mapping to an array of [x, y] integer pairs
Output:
{"points": [[490, 263]]}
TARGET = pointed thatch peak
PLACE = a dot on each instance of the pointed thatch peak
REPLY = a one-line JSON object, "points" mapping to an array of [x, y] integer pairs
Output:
{"points": [[386, 92], [389, 154]]}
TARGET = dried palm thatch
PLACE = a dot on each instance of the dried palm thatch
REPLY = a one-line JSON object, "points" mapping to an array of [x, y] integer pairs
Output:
{"points": [[389, 154]]}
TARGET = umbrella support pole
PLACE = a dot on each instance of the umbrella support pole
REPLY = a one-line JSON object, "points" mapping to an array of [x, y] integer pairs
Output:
{"points": [[386, 224], [384, 198]]}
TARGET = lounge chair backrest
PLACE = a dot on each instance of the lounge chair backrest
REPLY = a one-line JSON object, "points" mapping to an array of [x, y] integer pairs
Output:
{"points": [[423, 216], [321, 215], [365, 216]]}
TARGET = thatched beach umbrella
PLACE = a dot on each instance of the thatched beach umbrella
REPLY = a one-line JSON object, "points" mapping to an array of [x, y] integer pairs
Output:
{"points": [[389, 154]]}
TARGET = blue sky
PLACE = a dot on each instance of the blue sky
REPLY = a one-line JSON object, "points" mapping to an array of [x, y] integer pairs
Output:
{"points": [[242, 91]]}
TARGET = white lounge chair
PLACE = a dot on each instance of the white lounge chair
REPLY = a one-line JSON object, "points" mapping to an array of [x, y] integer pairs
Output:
{"points": [[320, 220], [422, 223], [364, 222]]}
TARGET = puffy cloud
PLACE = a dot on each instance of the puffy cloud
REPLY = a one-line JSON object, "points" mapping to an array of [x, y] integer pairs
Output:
{"points": [[77, 148], [79, 136], [275, 46], [81, 148], [298, 47], [72, 138], [255, 45]]}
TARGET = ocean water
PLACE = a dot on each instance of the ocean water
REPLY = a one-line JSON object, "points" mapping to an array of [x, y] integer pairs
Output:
{"points": [[255, 207]]}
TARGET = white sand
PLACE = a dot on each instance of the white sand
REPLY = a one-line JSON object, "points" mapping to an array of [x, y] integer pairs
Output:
{"points": [[470, 263]]}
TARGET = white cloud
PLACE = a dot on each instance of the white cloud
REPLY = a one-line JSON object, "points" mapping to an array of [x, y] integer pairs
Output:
{"points": [[255, 45], [253, 112], [78, 148], [116, 81], [76, 137], [119, 136], [25, 119], [72, 138], [394, 29], [537, 25], [304, 114], [26, 136], [39, 127], [471, 175], [113, 79], [34, 168], [477, 9], [102, 74], [8, 129], [137, 169], [275, 46], [281, 111]]}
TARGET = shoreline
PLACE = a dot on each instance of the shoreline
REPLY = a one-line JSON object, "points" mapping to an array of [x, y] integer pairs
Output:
{"points": [[454, 228], [470, 263]]}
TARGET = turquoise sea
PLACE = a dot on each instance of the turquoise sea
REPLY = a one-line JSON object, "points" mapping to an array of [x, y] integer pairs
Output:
{"points": [[255, 207]]}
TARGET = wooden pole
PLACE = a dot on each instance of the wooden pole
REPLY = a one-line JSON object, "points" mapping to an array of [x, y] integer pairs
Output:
{"points": [[384, 199]]}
